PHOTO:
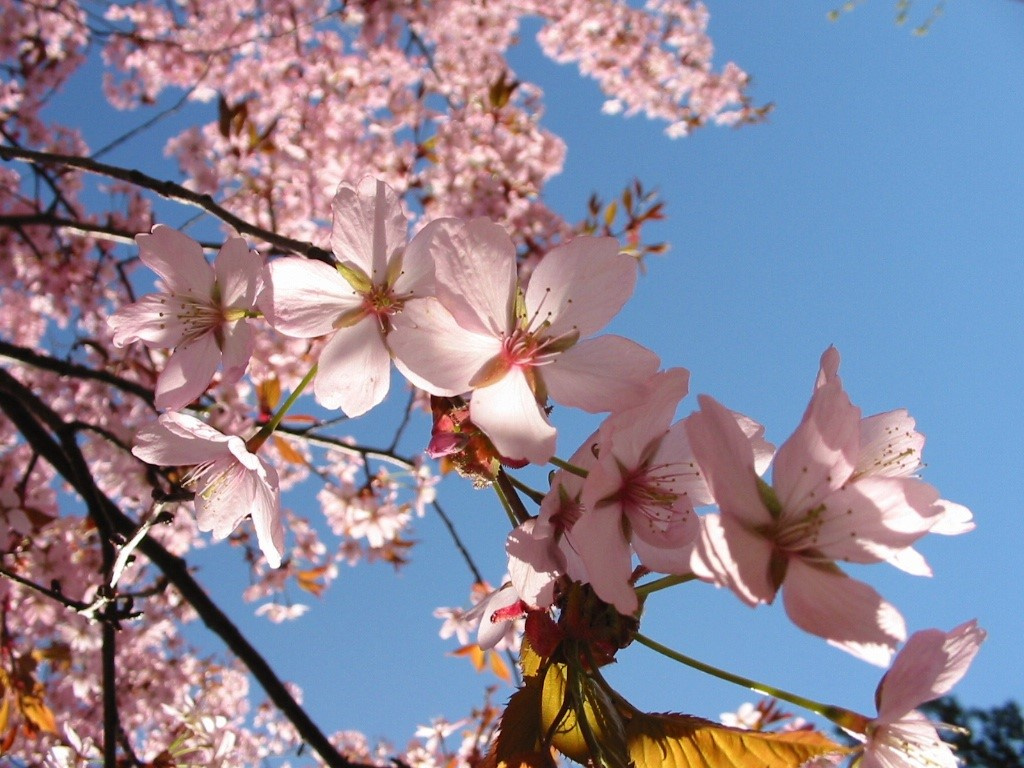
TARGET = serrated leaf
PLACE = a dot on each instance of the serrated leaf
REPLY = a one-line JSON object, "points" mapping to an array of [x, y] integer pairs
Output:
{"points": [[580, 718], [519, 743], [682, 741], [529, 660]]}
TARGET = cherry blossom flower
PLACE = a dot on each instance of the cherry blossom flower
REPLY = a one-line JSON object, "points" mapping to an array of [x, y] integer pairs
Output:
{"points": [[927, 667], [817, 511], [642, 483], [637, 495], [891, 446], [200, 313], [515, 348], [230, 483], [353, 301]]}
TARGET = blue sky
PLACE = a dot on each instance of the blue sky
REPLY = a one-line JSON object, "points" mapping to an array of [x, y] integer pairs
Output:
{"points": [[877, 209]]}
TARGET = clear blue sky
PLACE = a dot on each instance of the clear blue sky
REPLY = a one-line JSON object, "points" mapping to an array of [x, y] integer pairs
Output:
{"points": [[878, 209]]}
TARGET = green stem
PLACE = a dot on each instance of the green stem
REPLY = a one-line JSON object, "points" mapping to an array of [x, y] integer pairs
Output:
{"points": [[513, 504], [572, 468], [536, 496], [506, 493], [254, 442], [838, 715], [663, 583]]}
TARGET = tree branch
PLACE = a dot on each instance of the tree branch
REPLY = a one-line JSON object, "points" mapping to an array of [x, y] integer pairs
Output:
{"points": [[171, 191], [21, 405]]}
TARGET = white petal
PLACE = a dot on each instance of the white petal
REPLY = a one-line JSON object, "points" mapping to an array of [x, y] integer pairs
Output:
{"points": [[354, 369], [508, 412], [304, 297], [580, 285], [601, 374], [368, 226], [179, 261], [434, 352], [188, 372]]}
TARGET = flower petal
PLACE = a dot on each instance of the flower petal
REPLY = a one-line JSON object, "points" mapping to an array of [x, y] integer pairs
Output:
{"points": [[177, 439], [597, 538], [236, 349], [726, 456], [265, 510], [475, 271], [509, 414], [889, 445], [368, 226], [729, 555], [927, 667], [148, 320], [848, 613], [179, 261], [436, 353], [873, 517], [820, 455], [239, 274], [188, 372], [534, 564], [601, 374], [303, 298], [354, 369], [580, 285]]}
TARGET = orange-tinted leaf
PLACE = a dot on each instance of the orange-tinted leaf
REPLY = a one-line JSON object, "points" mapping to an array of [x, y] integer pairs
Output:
{"points": [[288, 453], [475, 653], [309, 580], [269, 394], [499, 667], [57, 654], [681, 741], [37, 714], [5, 714]]}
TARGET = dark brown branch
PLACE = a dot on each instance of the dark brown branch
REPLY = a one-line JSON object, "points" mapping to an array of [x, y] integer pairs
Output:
{"points": [[171, 191], [74, 370], [85, 228], [21, 406]]}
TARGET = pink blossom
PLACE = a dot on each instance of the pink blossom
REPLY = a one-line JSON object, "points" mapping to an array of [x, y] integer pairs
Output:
{"points": [[230, 483], [818, 510], [927, 667], [515, 348], [352, 302], [642, 483], [201, 312], [637, 495]]}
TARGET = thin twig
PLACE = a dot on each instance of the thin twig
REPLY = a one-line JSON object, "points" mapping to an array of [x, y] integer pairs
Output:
{"points": [[171, 191]]}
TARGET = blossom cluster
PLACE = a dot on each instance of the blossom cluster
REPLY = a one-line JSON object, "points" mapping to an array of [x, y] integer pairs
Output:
{"points": [[450, 309], [492, 310]]}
